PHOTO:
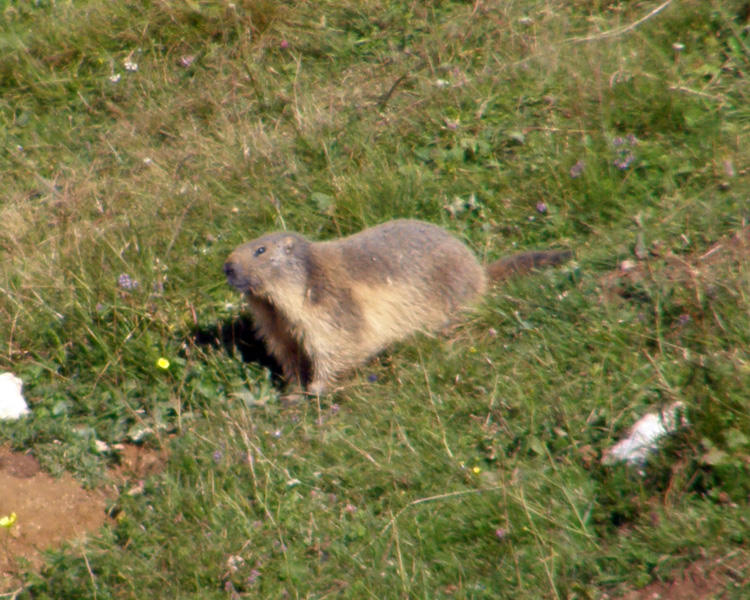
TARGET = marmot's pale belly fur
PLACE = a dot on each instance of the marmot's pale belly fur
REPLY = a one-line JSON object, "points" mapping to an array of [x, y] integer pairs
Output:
{"points": [[325, 307]]}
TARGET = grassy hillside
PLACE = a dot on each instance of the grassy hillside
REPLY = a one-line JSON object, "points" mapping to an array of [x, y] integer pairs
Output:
{"points": [[142, 141]]}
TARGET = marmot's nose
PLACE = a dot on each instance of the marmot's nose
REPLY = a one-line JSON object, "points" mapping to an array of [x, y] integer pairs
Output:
{"points": [[229, 270]]}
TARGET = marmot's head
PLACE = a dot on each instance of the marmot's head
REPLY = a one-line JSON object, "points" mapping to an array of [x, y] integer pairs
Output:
{"points": [[268, 264]]}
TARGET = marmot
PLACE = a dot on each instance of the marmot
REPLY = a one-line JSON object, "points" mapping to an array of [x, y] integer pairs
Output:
{"points": [[323, 308]]}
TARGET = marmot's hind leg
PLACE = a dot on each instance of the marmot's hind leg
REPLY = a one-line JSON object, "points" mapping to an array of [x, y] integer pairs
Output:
{"points": [[322, 379]]}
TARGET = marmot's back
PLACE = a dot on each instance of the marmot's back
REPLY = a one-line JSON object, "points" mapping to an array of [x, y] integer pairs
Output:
{"points": [[399, 277], [416, 255]]}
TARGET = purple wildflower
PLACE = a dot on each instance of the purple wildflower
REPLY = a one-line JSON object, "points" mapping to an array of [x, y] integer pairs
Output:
{"points": [[126, 283], [577, 169], [624, 156], [623, 161], [217, 456], [372, 378], [541, 208], [284, 44], [254, 574]]}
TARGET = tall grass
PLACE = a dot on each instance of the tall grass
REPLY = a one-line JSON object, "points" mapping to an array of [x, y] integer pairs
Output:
{"points": [[465, 466]]}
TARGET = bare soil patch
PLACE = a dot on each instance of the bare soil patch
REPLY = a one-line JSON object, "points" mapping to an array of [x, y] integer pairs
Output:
{"points": [[702, 580], [49, 511], [691, 270], [137, 462], [52, 510]]}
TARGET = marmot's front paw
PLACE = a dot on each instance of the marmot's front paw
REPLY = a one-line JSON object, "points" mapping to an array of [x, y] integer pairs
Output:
{"points": [[319, 387]]}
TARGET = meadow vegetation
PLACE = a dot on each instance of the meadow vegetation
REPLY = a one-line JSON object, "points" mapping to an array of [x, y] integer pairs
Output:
{"points": [[142, 141]]}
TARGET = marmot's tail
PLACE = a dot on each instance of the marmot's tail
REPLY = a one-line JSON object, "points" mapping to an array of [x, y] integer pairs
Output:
{"points": [[523, 262]]}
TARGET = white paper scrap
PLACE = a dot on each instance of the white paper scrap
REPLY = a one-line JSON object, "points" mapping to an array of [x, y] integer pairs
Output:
{"points": [[12, 404], [645, 435]]}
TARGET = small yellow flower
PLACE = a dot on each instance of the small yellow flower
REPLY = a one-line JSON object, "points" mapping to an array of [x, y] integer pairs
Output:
{"points": [[8, 521], [162, 363], [477, 470]]}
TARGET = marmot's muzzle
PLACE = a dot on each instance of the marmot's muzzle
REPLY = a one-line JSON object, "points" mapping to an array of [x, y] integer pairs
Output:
{"points": [[235, 278]]}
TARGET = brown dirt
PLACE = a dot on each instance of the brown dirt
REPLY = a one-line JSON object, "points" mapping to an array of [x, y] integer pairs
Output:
{"points": [[695, 271], [702, 580], [49, 511], [52, 510], [137, 462]]}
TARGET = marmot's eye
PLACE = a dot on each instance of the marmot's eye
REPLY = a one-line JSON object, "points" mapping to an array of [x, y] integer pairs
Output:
{"points": [[260, 251]]}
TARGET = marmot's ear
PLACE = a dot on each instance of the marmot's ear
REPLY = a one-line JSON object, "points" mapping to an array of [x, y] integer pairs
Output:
{"points": [[288, 243]]}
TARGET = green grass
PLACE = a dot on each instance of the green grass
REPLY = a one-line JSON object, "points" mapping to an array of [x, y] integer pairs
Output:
{"points": [[465, 466]]}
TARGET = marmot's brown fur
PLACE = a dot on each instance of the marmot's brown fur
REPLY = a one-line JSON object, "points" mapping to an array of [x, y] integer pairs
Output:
{"points": [[323, 308]]}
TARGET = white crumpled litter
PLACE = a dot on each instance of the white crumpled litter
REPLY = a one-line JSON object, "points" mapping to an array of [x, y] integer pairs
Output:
{"points": [[12, 404], [645, 435]]}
